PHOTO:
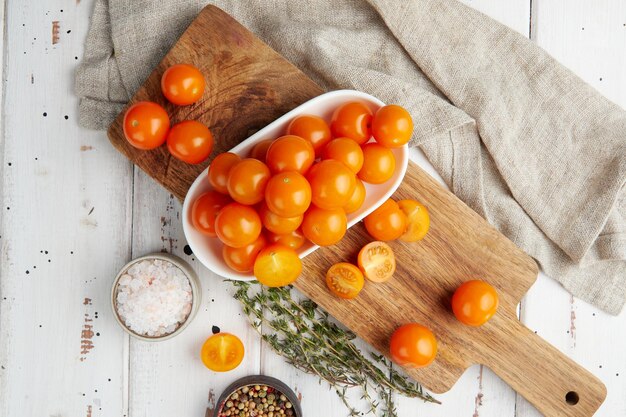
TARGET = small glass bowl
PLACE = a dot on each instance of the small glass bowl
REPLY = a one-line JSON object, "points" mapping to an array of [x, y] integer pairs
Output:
{"points": [[252, 380], [194, 282]]}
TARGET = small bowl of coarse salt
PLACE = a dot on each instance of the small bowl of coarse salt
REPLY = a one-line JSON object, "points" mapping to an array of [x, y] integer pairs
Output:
{"points": [[155, 297]]}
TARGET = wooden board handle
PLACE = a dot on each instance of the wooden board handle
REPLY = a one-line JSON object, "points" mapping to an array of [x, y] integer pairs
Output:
{"points": [[555, 384]]}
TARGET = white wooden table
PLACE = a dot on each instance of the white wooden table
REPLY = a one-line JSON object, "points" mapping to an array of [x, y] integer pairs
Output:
{"points": [[74, 211]]}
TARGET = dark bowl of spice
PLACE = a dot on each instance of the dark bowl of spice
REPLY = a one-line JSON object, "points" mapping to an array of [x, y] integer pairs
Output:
{"points": [[258, 396]]}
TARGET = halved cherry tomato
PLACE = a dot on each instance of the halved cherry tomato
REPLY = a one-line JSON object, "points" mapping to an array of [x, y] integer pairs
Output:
{"points": [[146, 125], [220, 169], [293, 240], [247, 181], [242, 259], [377, 261], [277, 266], [290, 153], [357, 199], [278, 224], [475, 302], [379, 164], [352, 120], [237, 225], [392, 126], [259, 151], [182, 84], [324, 227], [312, 128], [413, 346], [190, 141], [332, 184], [418, 220], [222, 352], [205, 210], [345, 280], [346, 151], [288, 194], [387, 222]]}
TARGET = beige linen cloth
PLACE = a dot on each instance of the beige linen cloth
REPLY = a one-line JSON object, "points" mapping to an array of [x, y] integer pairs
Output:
{"points": [[521, 139]]}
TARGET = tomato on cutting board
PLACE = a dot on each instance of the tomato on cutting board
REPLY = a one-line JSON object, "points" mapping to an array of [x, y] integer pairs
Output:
{"points": [[332, 184], [242, 259], [288, 194], [205, 209], [475, 302], [222, 352], [352, 120], [377, 261], [277, 266], [379, 164], [182, 84], [237, 225], [312, 128], [220, 169], [247, 180], [413, 346], [190, 141], [387, 222], [345, 280], [146, 125], [392, 126]]}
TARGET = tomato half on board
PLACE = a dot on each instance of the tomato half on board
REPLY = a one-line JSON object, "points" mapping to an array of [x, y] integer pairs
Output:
{"points": [[418, 220], [182, 84], [146, 125], [377, 261], [413, 346], [277, 266], [345, 280], [475, 302], [222, 352]]}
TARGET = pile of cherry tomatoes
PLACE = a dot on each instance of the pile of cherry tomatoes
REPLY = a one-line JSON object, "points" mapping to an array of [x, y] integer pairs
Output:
{"points": [[147, 124], [298, 187]]}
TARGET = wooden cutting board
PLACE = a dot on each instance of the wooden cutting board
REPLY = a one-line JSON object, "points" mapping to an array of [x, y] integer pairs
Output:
{"points": [[250, 85]]}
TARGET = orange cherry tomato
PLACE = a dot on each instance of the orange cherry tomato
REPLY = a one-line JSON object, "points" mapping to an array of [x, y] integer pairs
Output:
{"points": [[379, 164], [387, 222], [377, 261], [418, 220], [357, 199], [332, 184], [242, 259], [182, 84], [475, 302], [222, 352], [413, 346], [392, 126], [277, 266], [259, 151], [324, 227], [312, 128], [190, 141], [220, 169], [352, 120], [146, 125], [205, 210], [288, 194], [346, 151], [345, 280], [290, 153], [293, 240], [247, 181], [237, 225], [278, 224]]}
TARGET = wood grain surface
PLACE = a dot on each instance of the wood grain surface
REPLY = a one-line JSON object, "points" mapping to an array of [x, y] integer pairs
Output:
{"points": [[249, 86]]}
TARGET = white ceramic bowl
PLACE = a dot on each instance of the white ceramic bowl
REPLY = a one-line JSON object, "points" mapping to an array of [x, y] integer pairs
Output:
{"points": [[209, 250]]}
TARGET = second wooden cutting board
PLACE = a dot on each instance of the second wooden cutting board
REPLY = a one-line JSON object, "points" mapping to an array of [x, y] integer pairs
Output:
{"points": [[249, 85]]}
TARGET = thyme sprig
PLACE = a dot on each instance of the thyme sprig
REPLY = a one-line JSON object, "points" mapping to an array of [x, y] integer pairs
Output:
{"points": [[308, 339]]}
